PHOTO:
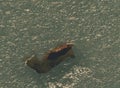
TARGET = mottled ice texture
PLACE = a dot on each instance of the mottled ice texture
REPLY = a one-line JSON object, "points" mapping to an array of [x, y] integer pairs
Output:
{"points": [[30, 27]]}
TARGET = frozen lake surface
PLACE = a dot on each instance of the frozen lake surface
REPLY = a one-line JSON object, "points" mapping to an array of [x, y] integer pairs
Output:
{"points": [[34, 26]]}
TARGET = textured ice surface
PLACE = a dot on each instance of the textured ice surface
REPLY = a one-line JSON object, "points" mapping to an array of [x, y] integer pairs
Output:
{"points": [[33, 26]]}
